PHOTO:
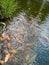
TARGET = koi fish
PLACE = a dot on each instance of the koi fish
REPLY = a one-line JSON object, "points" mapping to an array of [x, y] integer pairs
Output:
{"points": [[8, 45], [28, 44], [14, 51], [8, 37], [1, 39], [7, 57]]}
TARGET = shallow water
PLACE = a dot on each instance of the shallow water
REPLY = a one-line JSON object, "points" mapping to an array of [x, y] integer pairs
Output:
{"points": [[22, 33], [30, 26]]}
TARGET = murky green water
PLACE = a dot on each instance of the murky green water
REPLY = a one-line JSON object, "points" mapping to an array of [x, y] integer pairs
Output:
{"points": [[30, 14], [39, 8]]}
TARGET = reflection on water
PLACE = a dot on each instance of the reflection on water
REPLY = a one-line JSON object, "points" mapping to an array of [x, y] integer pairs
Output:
{"points": [[35, 8], [27, 30], [43, 47]]}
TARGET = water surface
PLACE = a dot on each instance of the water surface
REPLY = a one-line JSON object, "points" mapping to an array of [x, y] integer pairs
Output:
{"points": [[31, 25]]}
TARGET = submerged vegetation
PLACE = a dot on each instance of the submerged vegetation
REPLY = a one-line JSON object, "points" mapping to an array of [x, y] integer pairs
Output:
{"points": [[7, 8]]}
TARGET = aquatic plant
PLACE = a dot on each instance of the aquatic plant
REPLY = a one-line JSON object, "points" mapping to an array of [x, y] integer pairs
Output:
{"points": [[7, 8]]}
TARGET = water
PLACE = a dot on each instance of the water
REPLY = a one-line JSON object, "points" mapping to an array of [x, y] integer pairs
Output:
{"points": [[22, 33], [30, 26]]}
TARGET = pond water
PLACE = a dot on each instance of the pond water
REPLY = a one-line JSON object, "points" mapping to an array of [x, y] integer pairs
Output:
{"points": [[30, 26]]}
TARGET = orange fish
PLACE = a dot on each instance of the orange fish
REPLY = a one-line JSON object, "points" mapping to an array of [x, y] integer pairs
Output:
{"points": [[8, 45], [28, 44], [8, 37], [1, 39], [14, 51]]}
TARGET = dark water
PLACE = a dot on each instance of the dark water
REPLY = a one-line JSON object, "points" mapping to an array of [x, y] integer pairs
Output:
{"points": [[32, 17], [35, 8]]}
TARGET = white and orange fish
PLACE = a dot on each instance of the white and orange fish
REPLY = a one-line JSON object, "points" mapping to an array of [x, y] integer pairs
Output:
{"points": [[8, 45]]}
